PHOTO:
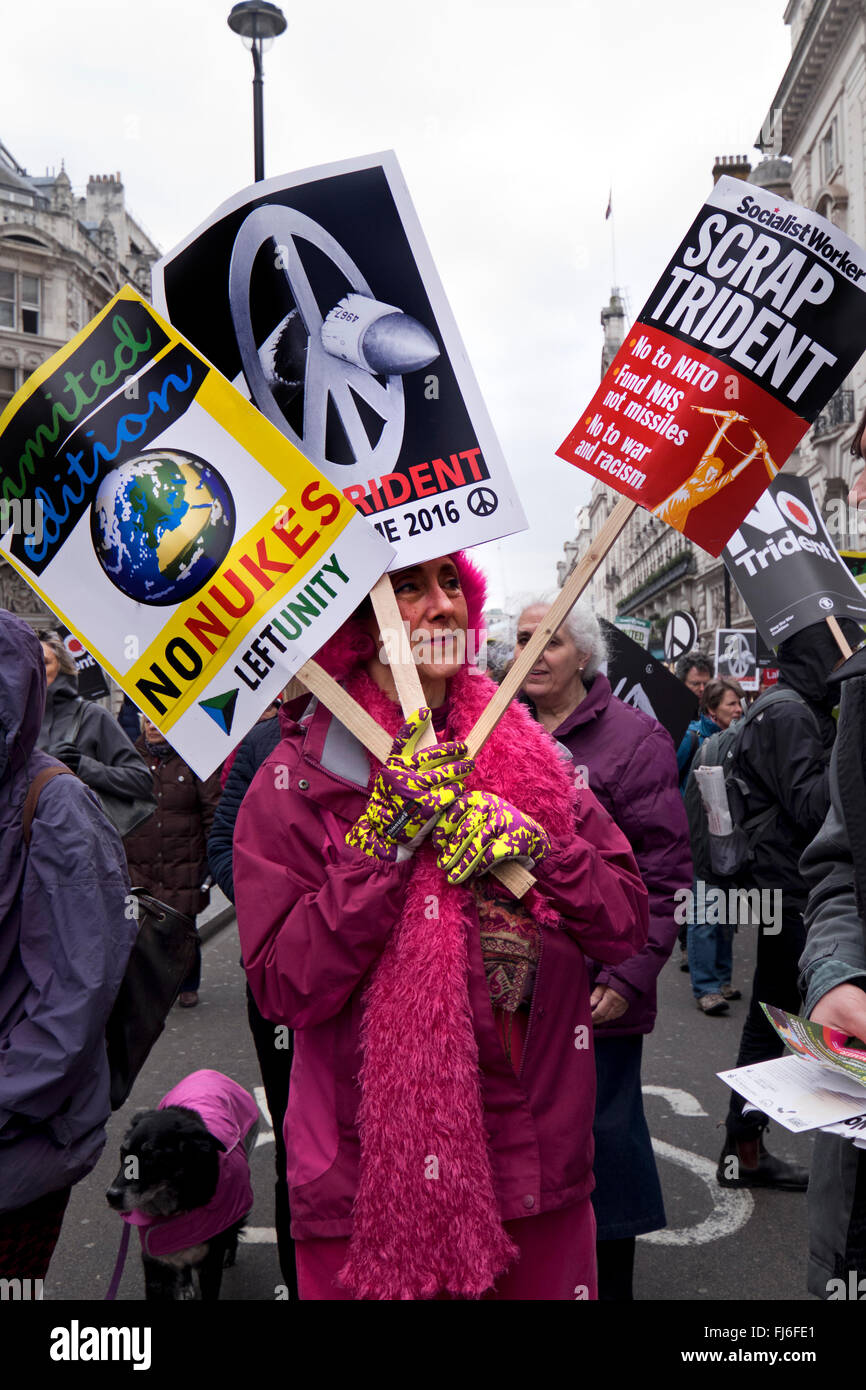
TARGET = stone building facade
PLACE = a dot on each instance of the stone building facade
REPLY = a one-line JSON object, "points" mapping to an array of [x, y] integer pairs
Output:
{"points": [[813, 142], [62, 256]]}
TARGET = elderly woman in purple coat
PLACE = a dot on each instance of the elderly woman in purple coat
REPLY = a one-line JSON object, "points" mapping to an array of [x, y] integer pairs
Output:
{"points": [[630, 764]]}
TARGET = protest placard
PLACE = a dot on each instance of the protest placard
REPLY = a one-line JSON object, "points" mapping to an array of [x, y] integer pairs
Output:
{"points": [[766, 655], [681, 635], [737, 656], [638, 629], [316, 293], [191, 548], [757, 319], [638, 679], [92, 684], [786, 567]]}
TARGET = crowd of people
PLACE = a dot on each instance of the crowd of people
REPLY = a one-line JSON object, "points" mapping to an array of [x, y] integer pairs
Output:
{"points": [[460, 1111]]}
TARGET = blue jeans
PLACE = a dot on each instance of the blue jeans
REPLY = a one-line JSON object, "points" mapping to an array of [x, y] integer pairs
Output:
{"points": [[710, 947]]}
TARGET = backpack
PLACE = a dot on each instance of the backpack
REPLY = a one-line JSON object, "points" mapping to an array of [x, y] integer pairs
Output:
{"points": [[725, 857]]}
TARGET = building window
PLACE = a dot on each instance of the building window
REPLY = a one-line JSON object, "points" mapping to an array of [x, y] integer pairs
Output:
{"points": [[30, 297], [20, 301], [7, 299], [829, 153], [7, 386]]}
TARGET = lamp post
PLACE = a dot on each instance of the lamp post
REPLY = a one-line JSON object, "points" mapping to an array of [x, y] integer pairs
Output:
{"points": [[258, 24]]}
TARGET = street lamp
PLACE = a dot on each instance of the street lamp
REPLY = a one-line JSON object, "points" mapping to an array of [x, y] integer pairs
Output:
{"points": [[258, 24]]}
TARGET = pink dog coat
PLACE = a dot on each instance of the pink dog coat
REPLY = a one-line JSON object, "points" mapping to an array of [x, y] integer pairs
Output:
{"points": [[229, 1112]]}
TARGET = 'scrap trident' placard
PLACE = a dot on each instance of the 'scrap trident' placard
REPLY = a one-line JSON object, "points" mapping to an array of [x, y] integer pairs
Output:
{"points": [[758, 318], [189, 546]]}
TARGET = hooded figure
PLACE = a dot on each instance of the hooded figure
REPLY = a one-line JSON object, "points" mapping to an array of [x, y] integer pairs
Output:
{"points": [[65, 936], [783, 757], [440, 1109], [89, 740], [834, 989]]}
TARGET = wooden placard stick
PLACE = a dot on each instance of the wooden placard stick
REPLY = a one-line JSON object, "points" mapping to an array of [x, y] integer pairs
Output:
{"points": [[314, 678], [565, 601], [841, 639], [398, 651]]}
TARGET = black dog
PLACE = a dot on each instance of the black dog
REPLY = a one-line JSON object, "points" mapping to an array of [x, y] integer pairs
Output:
{"points": [[170, 1167]]}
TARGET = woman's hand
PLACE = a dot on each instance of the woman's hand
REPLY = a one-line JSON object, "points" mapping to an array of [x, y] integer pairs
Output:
{"points": [[411, 789], [480, 830], [606, 1004]]}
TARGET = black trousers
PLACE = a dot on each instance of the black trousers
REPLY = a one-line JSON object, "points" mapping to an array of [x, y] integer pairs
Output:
{"points": [[775, 982], [29, 1234], [275, 1065]]}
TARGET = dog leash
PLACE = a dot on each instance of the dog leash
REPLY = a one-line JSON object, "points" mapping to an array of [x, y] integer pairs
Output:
{"points": [[120, 1262]]}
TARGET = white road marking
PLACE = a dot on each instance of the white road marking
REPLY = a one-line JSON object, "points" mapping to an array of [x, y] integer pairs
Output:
{"points": [[264, 1136], [681, 1102], [732, 1207], [259, 1235]]}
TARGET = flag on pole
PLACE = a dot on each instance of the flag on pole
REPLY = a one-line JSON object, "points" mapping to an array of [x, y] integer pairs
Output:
{"points": [[609, 205]]}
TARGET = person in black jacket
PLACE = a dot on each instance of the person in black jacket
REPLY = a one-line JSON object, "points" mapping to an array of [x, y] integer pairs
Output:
{"points": [[83, 735], [834, 986], [167, 853], [275, 1063], [783, 758]]}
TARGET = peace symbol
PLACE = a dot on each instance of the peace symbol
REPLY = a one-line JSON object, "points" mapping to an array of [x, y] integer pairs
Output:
{"points": [[680, 635], [482, 501], [738, 655], [327, 379]]}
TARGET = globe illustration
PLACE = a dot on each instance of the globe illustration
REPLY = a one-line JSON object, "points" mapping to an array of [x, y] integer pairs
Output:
{"points": [[161, 524]]}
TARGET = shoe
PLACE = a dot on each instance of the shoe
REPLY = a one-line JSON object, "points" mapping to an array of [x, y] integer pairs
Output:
{"points": [[684, 958], [187, 999], [712, 1004], [728, 993], [757, 1168]]}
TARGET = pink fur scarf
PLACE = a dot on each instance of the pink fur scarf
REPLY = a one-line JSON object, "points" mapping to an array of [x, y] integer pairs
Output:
{"points": [[414, 1237]]}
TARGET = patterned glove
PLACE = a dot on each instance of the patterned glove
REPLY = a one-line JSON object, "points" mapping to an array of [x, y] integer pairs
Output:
{"points": [[411, 789], [481, 829]]}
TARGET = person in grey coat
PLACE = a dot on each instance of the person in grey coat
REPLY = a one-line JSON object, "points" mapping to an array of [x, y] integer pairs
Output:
{"points": [[833, 983], [66, 931], [84, 736]]}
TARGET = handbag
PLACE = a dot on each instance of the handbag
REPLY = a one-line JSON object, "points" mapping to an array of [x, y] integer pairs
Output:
{"points": [[159, 962], [125, 815]]}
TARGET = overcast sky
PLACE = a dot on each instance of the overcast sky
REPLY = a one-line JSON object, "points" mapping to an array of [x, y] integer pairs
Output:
{"points": [[511, 120]]}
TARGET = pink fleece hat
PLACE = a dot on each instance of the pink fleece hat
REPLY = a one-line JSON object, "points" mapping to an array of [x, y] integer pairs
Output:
{"points": [[351, 646]]}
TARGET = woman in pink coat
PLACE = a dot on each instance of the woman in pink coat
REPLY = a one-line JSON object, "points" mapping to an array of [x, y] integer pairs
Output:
{"points": [[439, 1122]]}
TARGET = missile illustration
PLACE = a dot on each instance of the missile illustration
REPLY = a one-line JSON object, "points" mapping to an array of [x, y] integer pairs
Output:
{"points": [[378, 337], [369, 334]]}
